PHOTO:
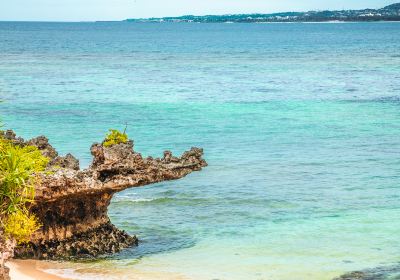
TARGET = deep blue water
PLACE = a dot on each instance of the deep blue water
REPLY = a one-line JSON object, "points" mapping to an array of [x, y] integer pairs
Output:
{"points": [[300, 124]]}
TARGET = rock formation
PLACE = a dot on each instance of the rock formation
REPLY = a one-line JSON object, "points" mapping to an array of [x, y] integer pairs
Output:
{"points": [[71, 204], [379, 273], [6, 252]]}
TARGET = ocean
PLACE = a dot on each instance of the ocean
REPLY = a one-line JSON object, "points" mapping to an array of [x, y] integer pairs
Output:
{"points": [[300, 124]]}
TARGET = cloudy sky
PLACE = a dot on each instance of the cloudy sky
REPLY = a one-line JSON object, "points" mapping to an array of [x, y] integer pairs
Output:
{"points": [[88, 10]]}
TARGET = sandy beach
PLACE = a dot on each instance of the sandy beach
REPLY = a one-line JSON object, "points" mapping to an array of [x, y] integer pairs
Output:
{"points": [[30, 270], [35, 270]]}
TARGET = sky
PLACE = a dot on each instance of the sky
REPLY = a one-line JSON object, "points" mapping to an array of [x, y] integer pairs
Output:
{"points": [[90, 10]]}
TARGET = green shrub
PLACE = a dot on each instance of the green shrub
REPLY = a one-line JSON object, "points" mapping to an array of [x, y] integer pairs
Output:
{"points": [[19, 170], [20, 225], [115, 137]]}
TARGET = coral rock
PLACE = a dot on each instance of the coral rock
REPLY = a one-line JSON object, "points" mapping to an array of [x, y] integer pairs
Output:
{"points": [[71, 204], [378, 273], [6, 253]]}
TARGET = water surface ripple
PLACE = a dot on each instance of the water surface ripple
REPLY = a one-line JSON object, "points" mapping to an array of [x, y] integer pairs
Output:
{"points": [[300, 124]]}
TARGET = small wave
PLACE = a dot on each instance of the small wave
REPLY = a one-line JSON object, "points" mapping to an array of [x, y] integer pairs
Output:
{"points": [[69, 273], [142, 199], [395, 99], [383, 99], [130, 199]]}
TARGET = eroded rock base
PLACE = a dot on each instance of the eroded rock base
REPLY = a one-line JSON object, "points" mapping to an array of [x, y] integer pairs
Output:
{"points": [[6, 252], [106, 239], [4, 273]]}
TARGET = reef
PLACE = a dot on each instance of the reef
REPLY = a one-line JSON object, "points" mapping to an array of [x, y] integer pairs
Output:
{"points": [[379, 273], [71, 204]]}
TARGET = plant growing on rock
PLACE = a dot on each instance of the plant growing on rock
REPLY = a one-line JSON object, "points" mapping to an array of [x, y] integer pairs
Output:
{"points": [[19, 170], [115, 137]]}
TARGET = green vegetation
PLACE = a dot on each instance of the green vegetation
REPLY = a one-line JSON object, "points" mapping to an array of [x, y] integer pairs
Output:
{"points": [[115, 137], [19, 170], [20, 167], [388, 13]]}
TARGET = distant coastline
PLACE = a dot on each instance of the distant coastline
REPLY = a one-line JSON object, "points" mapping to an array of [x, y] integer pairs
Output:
{"points": [[388, 13]]}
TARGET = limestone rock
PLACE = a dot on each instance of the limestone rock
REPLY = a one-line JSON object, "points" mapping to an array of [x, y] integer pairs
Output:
{"points": [[43, 145], [71, 204], [6, 253], [69, 162], [379, 273], [105, 239]]}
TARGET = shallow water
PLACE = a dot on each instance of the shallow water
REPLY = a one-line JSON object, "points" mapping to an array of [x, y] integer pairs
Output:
{"points": [[299, 122]]}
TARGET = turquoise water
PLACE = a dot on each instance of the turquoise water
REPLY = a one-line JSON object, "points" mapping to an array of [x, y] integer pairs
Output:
{"points": [[300, 124]]}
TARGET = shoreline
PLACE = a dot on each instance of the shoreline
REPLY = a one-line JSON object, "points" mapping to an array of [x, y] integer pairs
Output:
{"points": [[37, 270], [31, 270], [185, 22]]}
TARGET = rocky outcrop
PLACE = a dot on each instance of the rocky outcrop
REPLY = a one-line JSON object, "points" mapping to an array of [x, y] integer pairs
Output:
{"points": [[4, 273], [379, 273], [42, 143], [104, 239], [6, 252], [71, 204]]}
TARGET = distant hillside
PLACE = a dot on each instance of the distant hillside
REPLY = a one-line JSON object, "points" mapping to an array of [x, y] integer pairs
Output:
{"points": [[388, 13], [393, 7]]}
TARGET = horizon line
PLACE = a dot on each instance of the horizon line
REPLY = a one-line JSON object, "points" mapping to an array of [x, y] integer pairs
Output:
{"points": [[185, 15]]}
